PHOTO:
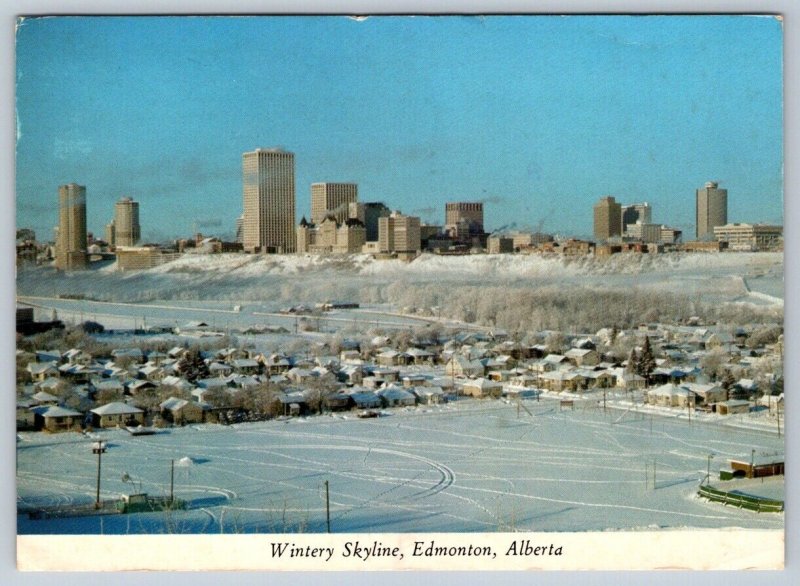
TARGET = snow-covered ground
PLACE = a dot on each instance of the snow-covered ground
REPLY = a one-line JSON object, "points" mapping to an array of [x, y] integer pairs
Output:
{"points": [[274, 280], [469, 466]]}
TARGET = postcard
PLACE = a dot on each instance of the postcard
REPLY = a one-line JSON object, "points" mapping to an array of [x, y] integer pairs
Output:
{"points": [[400, 292]]}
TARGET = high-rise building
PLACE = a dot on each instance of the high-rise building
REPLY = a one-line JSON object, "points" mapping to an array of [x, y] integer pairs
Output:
{"points": [[370, 215], [71, 243], [268, 201], [111, 234], [636, 212], [332, 199], [463, 220], [399, 233], [712, 209], [126, 222], [607, 218]]}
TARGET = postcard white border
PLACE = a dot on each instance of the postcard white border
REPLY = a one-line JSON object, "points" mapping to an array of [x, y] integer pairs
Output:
{"points": [[80, 549]]}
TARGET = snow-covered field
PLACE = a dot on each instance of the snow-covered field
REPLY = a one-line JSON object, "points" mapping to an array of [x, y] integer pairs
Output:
{"points": [[470, 466]]}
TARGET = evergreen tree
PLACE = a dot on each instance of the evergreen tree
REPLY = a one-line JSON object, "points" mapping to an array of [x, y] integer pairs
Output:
{"points": [[647, 362], [614, 334]]}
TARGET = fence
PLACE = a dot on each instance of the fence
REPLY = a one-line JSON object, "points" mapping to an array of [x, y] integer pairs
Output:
{"points": [[753, 503]]}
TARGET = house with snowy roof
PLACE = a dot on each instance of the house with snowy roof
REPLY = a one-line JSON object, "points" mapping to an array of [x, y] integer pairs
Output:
{"points": [[670, 395], [117, 413], [364, 398], [394, 396], [582, 356], [181, 411], [39, 371], [427, 395], [460, 365], [482, 388], [56, 418]]}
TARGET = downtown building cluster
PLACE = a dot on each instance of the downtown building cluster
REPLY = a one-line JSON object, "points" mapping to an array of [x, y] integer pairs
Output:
{"points": [[339, 223]]}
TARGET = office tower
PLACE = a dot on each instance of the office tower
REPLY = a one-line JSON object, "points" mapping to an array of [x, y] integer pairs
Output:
{"points": [[111, 234], [399, 233], [126, 222], [332, 198], [372, 213], [636, 212], [71, 243], [268, 200], [463, 219], [712, 209], [607, 219]]}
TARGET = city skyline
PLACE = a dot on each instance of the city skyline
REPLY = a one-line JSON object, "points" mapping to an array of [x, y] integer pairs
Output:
{"points": [[524, 114]]}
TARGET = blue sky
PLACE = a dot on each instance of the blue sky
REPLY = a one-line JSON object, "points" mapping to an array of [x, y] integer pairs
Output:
{"points": [[536, 116]]}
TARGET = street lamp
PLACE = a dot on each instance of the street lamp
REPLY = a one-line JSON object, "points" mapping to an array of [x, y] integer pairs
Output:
{"points": [[98, 448]]}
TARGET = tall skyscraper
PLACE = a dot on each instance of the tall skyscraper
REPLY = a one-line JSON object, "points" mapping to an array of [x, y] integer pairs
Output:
{"points": [[607, 218], [636, 212], [71, 243], [463, 219], [332, 198], [268, 200], [127, 231], [712, 209]]}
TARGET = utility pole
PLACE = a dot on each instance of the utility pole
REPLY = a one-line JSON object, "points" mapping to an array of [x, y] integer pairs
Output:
{"points": [[328, 506], [171, 480], [98, 448]]}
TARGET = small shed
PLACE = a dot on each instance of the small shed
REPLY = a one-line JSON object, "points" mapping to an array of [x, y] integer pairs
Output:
{"points": [[731, 407], [758, 466]]}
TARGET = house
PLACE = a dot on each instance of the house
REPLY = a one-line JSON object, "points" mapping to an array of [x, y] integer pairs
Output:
{"points": [[44, 398], [26, 419], [418, 356], [114, 414], [707, 394], [393, 396], [582, 356], [670, 395], [338, 402], [413, 380], [392, 358], [428, 395], [246, 366], [181, 411], [364, 398], [55, 418], [39, 371], [482, 387], [460, 365], [629, 380]]}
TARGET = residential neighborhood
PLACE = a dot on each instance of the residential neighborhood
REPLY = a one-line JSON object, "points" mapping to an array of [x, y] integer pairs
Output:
{"points": [[692, 368]]}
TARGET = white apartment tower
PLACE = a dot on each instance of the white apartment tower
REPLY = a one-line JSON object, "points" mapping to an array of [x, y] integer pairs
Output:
{"points": [[268, 201]]}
